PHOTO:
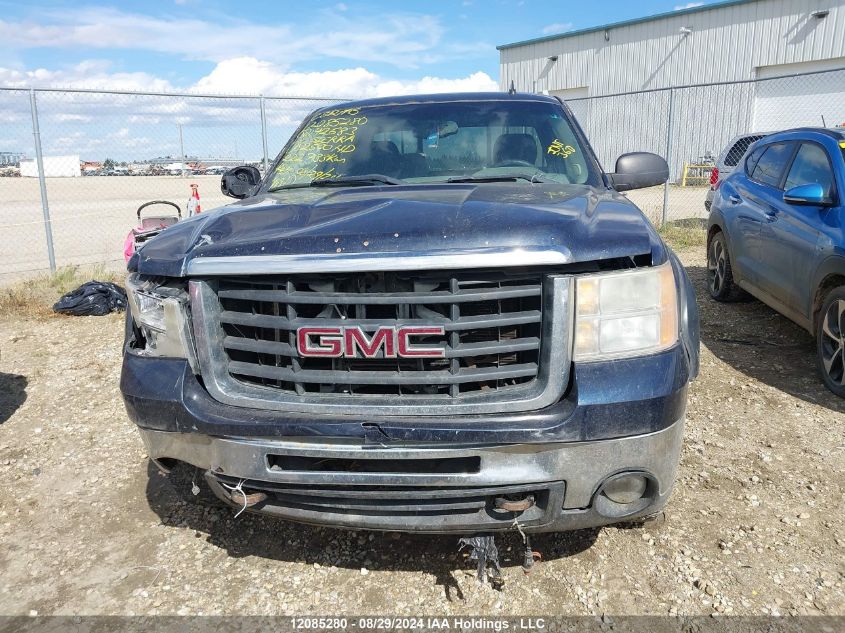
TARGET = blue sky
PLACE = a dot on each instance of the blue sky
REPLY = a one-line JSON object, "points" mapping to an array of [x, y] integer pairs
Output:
{"points": [[351, 49], [343, 48]]}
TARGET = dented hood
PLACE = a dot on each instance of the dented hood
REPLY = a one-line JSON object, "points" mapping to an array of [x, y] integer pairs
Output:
{"points": [[582, 223]]}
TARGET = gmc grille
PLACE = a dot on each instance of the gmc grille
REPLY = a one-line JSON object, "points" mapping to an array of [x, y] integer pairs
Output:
{"points": [[496, 328]]}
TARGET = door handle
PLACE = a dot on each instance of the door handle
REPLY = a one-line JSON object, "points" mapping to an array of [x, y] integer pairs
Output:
{"points": [[735, 199]]}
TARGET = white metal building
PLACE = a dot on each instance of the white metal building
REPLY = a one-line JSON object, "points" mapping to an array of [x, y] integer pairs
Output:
{"points": [[732, 41], [726, 41]]}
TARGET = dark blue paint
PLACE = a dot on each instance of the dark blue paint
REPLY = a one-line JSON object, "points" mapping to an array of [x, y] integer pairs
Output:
{"points": [[590, 223], [609, 399]]}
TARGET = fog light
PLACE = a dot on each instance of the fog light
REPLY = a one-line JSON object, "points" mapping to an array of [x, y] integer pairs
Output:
{"points": [[626, 488]]}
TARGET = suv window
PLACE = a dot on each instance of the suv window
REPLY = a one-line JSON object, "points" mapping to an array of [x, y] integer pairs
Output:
{"points": [[738, 150], [772, 163], [811, 165], [751, 161]]}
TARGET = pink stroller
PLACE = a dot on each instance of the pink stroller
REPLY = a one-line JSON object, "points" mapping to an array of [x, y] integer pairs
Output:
{"points": [[149, 227]]}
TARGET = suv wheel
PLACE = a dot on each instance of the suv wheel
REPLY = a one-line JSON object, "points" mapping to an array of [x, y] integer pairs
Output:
{"points": [[720, 280], [830, 337]]}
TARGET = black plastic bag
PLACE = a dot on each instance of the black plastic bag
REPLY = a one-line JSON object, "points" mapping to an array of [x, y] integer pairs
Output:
{"points": [[93, 298], [483, 550]]}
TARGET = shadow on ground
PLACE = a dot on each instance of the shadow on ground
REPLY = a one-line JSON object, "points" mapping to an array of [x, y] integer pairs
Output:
{"points": [[276, 539], [757, 341], [12, 394]]}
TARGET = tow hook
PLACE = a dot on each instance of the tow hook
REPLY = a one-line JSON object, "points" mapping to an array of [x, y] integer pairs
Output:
{"points": [[510, 505], [235, 494], [239, 497]]}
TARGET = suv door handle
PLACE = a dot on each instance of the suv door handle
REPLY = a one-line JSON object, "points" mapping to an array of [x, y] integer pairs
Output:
{"points": [[735, 199]]}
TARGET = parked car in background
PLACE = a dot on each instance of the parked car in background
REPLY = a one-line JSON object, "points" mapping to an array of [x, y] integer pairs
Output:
{"points": [[777, 230], [728, 159]]}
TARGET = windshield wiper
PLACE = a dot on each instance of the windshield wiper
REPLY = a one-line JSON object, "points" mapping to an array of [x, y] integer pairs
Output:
{"points": [[503, 178], [363, 180], [299, 185], [343, 181]]}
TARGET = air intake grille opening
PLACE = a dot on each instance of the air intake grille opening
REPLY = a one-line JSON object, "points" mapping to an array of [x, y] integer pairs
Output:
{"points": [[449, 465], [492, 323]]}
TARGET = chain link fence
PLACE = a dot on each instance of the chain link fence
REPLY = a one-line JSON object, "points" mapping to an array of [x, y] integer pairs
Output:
{"points": [[691, 125], [105, 153]]}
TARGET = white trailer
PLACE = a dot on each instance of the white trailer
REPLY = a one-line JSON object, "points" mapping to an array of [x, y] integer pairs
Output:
{"points": [[54, 167]]}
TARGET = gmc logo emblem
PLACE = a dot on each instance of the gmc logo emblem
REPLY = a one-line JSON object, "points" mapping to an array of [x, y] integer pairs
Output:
{"points": [[353, 342]]}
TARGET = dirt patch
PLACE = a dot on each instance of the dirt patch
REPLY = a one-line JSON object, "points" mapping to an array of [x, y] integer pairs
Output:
{"points": [[754, 526]]}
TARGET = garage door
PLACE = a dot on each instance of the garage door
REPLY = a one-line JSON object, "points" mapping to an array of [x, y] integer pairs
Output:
{"points": [[793, 101]]}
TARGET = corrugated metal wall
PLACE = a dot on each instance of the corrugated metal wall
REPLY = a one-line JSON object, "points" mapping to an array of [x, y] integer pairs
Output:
{"points": [[705, 118], [726, 44]]}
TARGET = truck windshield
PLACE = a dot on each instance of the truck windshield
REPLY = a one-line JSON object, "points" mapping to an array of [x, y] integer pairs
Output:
{"points": [[437, 142]]}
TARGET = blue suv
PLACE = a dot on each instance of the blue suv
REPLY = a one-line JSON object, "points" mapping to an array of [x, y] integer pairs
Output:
{"points": [[777, 231]]}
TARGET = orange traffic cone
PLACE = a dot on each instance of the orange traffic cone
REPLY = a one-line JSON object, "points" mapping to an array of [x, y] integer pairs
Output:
{"points": [[194, 201]]}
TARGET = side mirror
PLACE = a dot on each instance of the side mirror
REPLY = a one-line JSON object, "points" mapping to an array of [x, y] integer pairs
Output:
{"points": [[807, 195], [639, 169], [239, 182]]}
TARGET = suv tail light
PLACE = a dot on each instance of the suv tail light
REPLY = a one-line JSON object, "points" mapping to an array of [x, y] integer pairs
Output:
{"points": [[714, 178]]}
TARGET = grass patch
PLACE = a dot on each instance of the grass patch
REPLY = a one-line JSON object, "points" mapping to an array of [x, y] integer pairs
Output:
{"points": [[35, 297], [684, 234]]}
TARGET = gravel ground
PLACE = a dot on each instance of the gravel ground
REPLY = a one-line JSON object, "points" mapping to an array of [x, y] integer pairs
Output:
{"points": [[755, 525]]}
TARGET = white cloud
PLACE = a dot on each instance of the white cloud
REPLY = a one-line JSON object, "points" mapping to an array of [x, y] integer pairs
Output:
{"points": [[140, 126], [87, 74], [253, 76], [688, 5], [557, 27], [401, 39], [243, 75], [476, 82]]}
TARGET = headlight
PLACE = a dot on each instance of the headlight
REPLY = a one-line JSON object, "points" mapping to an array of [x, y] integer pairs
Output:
{"points": [[626, 313], [160, 313], [150, 310]]}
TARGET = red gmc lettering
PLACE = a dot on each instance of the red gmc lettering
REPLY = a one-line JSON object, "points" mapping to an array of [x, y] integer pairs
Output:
{"points": [[353, 342], [408, 351], [355, 337], [329, 342]]}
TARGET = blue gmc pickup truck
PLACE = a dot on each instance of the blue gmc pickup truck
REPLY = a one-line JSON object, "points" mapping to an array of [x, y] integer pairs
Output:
{"points": [[431, 314]]}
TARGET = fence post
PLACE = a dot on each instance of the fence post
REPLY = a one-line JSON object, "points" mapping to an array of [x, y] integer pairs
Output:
{"points": [[668, 155], [181, 151], [263, 131], [42, 182]]}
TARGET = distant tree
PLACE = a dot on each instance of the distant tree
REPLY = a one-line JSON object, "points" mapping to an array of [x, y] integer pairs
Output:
{"points": [[108, 164]]}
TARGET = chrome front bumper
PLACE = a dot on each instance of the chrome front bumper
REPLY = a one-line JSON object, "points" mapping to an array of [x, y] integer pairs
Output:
{"points": [[563, 478]]}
